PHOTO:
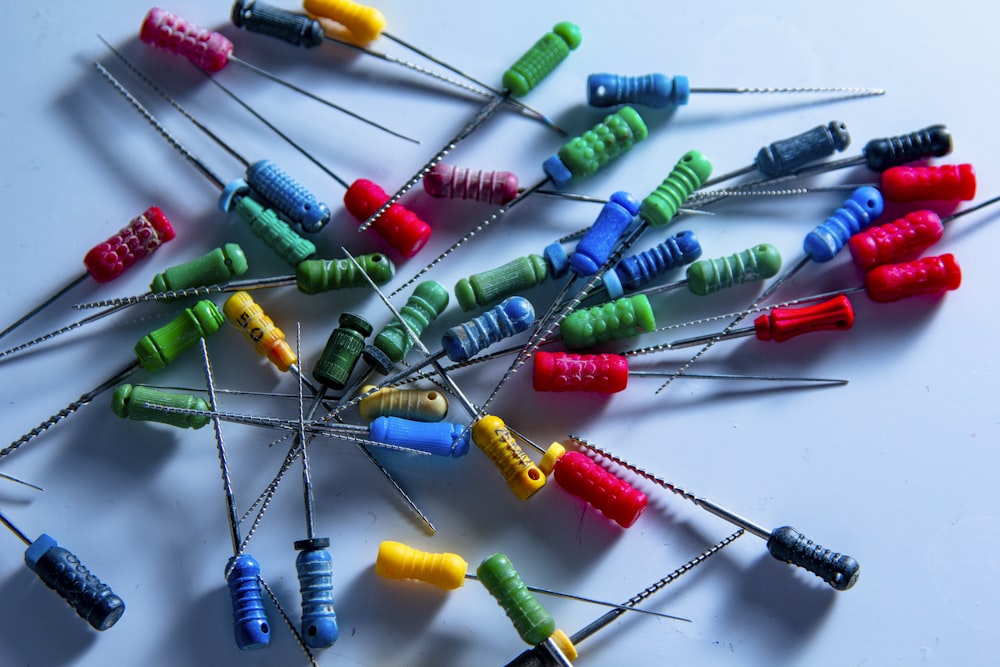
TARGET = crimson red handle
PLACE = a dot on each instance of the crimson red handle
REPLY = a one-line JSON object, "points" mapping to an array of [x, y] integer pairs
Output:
{"points": [[947, 182], [402, 228], [929, 275], [896, 241], [564, 371]]}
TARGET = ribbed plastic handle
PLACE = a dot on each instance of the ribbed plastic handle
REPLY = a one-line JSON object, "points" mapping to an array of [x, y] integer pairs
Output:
{"points": [[565, 371], [783, 323], [621, 318], [539, 61], [584, 155], [651, 90], [428, 301], [247, 317], [213, 268], [838, 570], [532, 622], [708, 276], [208, 50], [490, 287], [314, 276], [422, 405], [266, 19], [946, 182], [396, 560], [596, 246], [343, 348], [402, 228], [859, 211], [314, 567], [929, 275], [511, 317], [130, 401], [160, 347], [250, 624], [896, 241], [613, 497], [933, 141], [639, 269], [523, 477], [268, 227], [286, 195], [144, 234], [446, 181], [783, 157], [62, 571], [662, 204], [436, 438]]}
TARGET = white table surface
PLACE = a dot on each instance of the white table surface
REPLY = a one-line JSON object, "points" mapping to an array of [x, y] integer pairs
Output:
{"points": [[898, 468]]}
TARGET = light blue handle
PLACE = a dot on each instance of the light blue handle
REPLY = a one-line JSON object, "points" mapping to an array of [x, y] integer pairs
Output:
{"points": [[319, 619], [653, 90], [511, 316], [824, 242], [437, 438]]}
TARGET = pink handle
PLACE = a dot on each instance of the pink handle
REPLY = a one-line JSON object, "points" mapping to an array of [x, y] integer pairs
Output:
{"points": [[564, 371], [208, 50]]}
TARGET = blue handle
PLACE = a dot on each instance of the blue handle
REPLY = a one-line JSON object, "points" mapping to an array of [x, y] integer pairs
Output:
{"points": [[249, 620], [437, 438], [315, 569], [680, 249], [653, 90], [595, 247], [288, 196], [824, 242], [511, 316]]}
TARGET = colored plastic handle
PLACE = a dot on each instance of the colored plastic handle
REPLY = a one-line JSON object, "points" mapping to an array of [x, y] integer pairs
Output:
{"points": [[639, 269], [789, 545], [213, 268], [404, 231], [707, 276], [364, 23], [615, 498], [564, 371], [929, 275], [342, 351], [323, 275], [824, 242], [249, 318], [933, 141], [396, 560], [946, 182], [436, 438], [594, 249], [584, 155], [314, 567], [429, 300], [129, 402], [208, 50], [265, 225], [523, 477], [465, 340], [287, 196], [662, 204], [896, 241], [62, 571], [651, 90], [539, 61], [622, 318], [144, 234], [532, 622], [266, 19], [783, 323], [423, 405], [782, 158], [490, 287], [157, 349], [249, 619], [491, 187]]}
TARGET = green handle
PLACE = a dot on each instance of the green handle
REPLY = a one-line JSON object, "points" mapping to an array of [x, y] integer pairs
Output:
{"points": [[529, 617], [584, 155], [622, 318], [213, 268], [159, 348], [711, 275], [539, 61], [129, 402], [267, 226], [323, 275], [688, 174], [429, 300], [493, 286]]}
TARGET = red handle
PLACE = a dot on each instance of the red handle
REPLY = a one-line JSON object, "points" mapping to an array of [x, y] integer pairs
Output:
{"points": [[783, 323], [929, 275], [402, 228], [564, 371], [947, 182], [896, 241]]}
